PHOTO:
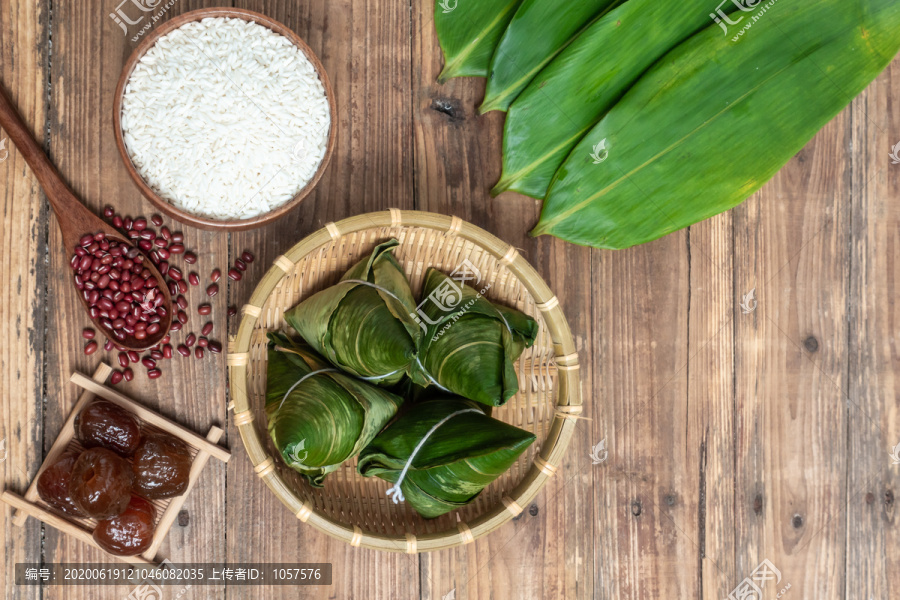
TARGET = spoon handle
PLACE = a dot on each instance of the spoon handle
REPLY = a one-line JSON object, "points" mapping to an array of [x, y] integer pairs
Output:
{"points": [[66, 205]]}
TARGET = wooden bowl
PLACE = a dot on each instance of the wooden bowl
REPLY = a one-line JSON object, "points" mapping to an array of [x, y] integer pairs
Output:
{"points": [[353, 508], [161, 203]]}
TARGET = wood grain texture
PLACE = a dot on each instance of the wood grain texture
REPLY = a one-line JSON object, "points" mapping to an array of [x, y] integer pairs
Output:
{"points": [[873, 481], [790, 362], [732, 437], [89, 50], [365, 49], [24, 64]]}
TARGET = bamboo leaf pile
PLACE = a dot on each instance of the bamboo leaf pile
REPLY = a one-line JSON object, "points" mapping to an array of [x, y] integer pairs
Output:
{"points": [[652, 117]]}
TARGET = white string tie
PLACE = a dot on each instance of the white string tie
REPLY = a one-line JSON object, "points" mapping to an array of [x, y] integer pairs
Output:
{"points": [[395, 493]]}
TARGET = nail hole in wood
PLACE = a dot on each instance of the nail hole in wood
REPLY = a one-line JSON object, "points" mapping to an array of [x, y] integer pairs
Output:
{"points": [[797, 522], [811, 344], [183, 518], [636, 508], [533, 510], [758, 504]]}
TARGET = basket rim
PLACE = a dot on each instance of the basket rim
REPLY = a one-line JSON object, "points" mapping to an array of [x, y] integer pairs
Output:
{"points": [[553, 447]]}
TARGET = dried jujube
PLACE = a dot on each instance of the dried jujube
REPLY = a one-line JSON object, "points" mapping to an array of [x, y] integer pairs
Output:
{"points": [[162, 467], [129, 533], [101, 483], [105, 424], [53, 484]]}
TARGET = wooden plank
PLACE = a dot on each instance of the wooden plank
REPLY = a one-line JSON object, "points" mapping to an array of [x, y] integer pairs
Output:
{"points": [[89, 51], [791, 244], [873, 566], [24, 64], [642, 332], [365, 49], [546, 551]]}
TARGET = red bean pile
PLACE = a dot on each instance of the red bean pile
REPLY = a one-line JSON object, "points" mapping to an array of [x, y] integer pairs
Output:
{"points": [[97, 260], [120, 291]]}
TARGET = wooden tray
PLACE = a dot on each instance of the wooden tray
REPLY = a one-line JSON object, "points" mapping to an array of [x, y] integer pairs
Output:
{"points": [[167, 510]]}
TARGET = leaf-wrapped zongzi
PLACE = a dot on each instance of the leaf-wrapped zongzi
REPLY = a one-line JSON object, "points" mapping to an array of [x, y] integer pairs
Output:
{"points": [[319, 417], [363, 324], [470, 344], [442, 453]]}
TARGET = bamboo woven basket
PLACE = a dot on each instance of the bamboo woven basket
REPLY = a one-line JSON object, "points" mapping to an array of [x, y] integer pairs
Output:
{"points": [[353, 508]]}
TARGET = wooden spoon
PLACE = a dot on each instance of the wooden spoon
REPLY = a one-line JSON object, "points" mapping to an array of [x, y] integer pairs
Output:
{"points": [[75, 220]]}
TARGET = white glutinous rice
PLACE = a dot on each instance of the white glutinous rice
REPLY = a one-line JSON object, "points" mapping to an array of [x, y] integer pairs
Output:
{"points": [[225, 119]]}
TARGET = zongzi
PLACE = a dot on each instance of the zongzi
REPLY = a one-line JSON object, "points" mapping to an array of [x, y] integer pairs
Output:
{"points": [[470, 344], [317, 416], [441, 453], [363, 324]]}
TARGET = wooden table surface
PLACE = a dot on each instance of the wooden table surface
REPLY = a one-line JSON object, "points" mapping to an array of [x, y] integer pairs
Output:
{"points": [[732, 437]]}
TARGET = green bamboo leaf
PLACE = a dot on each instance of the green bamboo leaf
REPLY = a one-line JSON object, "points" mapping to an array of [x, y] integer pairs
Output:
{"points": [[318, 417], [713, 121], [538, 32], [363, 324], [464, 453], [470, 344], [468, 31], [575, 90]]}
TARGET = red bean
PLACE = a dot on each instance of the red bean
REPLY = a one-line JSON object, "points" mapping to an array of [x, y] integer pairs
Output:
{"points": [[176, 326], [128, 374], [240, 265], [232, 310], [214, 347], [88, 334], [92, 346], [190, 340], [247, 257], [160, 242], [123, 358], [156, 220], [167, 351], [140, 223], [202, 342], [108, 211], [212, 290], [183, 350], [86, 240], [153, 329], [178, 237], [190, 258], [108, 346], [182, 317], [182, 287], [234, 275], [215, 275], [198, 352], [149, 363], [194, 279], [117, 222], [204, 309], [116, 377], [156, 354], [154, 373], [176, 248], [207, 329], [175, 273], [140, 335]]}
